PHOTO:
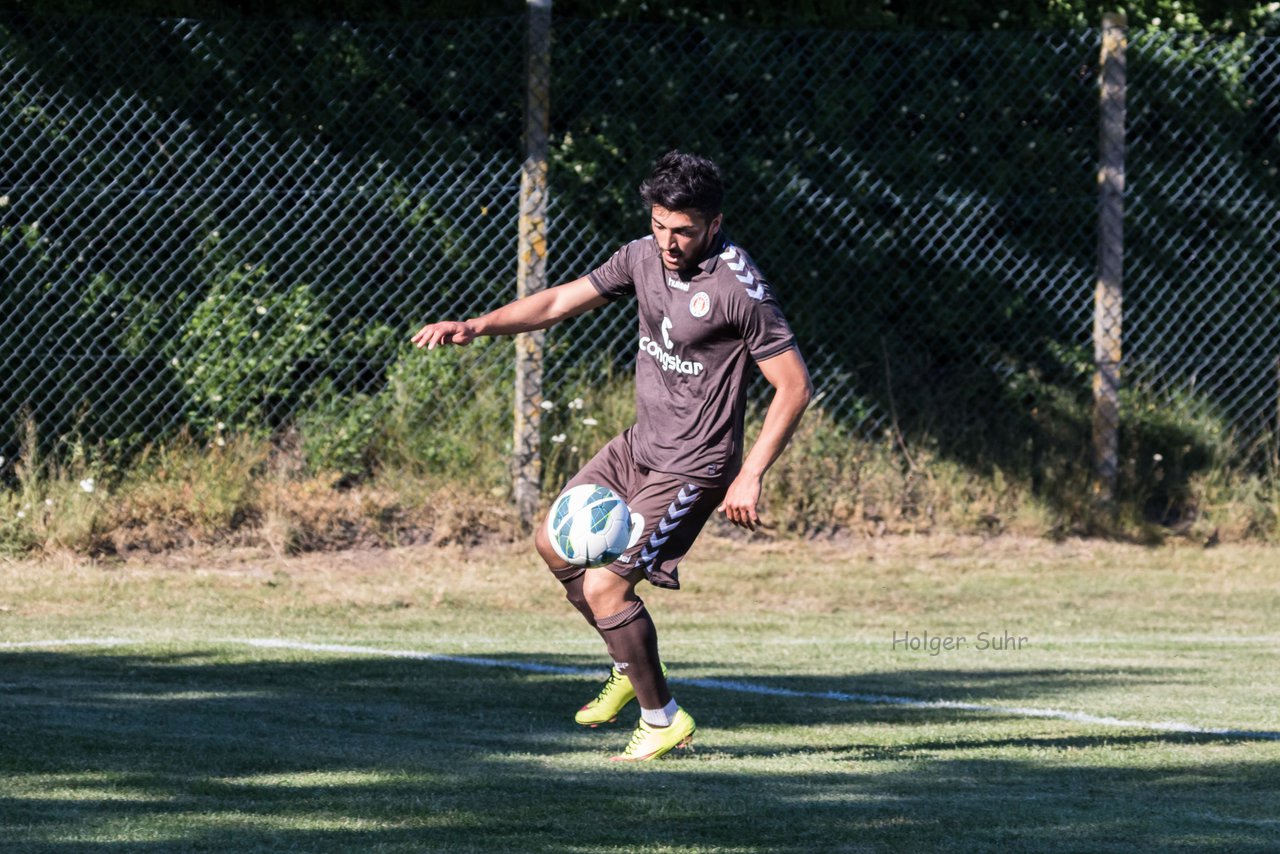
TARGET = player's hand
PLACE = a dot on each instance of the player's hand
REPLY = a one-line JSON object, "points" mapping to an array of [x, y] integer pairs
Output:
{"points": [[432, 335], [740, 502]]}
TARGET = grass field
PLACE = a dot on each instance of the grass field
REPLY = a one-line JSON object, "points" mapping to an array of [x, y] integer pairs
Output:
{"points": [[176, 734]]}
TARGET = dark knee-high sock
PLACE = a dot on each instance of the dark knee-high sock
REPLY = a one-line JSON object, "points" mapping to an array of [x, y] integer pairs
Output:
{"points": [[573, 592], [633, 640]]}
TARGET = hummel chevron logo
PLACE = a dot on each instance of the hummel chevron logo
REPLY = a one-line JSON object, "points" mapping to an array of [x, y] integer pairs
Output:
{"points": [[748, 278], [679, 508], [729, 253]]}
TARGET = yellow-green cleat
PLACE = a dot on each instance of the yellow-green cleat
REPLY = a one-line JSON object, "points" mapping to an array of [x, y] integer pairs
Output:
{"points": [[615, 694], [650, 742]]}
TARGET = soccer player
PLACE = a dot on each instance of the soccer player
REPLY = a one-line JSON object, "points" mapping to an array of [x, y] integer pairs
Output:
{"points": [[705, 314]]}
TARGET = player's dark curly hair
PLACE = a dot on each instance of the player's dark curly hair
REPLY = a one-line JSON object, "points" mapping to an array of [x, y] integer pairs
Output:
{"points": [[684, 182]]}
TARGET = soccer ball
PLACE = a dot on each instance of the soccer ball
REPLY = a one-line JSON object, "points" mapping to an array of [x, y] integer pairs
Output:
{"points": [[589, 525]]}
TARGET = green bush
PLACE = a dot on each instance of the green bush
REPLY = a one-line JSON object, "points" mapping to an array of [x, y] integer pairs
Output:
{"points": [[445, 415], [239, 350], [338, 433]]}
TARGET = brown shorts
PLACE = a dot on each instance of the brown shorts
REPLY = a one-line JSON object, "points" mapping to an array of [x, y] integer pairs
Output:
{"points": [[674, 510]]}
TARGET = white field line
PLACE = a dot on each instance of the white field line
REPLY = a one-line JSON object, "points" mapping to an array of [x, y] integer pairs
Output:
{"points": [[37, 644], [769, 691]]}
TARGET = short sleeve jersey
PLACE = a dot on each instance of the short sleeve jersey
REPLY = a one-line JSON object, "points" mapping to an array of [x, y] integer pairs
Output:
{"points": [[698, 332]]}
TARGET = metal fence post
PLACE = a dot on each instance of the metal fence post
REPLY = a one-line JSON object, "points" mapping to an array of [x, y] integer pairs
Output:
{"points": [[531, 268], [1108, 292]]}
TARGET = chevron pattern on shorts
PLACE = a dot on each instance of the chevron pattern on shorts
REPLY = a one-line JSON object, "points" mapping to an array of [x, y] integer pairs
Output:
{"points": [[677, 510]]}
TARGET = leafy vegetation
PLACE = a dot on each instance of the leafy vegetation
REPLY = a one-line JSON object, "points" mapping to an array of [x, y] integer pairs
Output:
{"points": [[397, 467], [251, 280]]}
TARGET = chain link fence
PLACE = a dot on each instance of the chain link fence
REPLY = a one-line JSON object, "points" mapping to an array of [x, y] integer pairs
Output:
{"points": [[221, 227], [1202, 280]]}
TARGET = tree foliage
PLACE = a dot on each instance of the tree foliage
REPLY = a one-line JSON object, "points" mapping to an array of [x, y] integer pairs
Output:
{"points": [[319, 185]]}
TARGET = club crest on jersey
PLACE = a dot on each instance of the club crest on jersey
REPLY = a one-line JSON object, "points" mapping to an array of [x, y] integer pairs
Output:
{"points": [[700, 304]]}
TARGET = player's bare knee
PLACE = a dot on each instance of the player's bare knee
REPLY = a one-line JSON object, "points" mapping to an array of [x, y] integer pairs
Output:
{"points": [[606, 591]]}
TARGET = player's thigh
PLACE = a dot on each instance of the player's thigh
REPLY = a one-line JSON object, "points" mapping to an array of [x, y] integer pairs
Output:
{"points": [[542, 544]]}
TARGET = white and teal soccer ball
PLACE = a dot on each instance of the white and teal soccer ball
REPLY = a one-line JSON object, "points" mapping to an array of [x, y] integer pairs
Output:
{"points": [[589, 525]]}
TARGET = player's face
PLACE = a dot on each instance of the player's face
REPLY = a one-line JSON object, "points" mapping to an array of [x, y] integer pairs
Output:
{"points": [[683, 236]]}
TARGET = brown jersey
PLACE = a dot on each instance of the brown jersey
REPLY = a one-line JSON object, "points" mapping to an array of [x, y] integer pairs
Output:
{"points": [[698, 332]]}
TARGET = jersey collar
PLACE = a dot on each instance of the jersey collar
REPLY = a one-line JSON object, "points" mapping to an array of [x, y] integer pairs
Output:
{"points": [[709, 263]]}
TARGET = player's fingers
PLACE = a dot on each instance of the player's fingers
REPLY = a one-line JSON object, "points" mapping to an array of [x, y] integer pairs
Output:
{"points": [[436, 334], [737, 516], [428, 337]]}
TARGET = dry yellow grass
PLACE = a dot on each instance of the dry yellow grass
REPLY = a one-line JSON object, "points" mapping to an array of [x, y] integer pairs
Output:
{"points": [[874, 581]]}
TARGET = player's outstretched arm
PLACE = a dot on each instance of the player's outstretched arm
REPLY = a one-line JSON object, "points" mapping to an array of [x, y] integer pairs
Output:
{"points": [[536, 311], [793, 390]]}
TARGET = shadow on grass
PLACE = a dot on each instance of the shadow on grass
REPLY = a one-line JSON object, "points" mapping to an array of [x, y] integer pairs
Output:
{"points": [[281, 751]]}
